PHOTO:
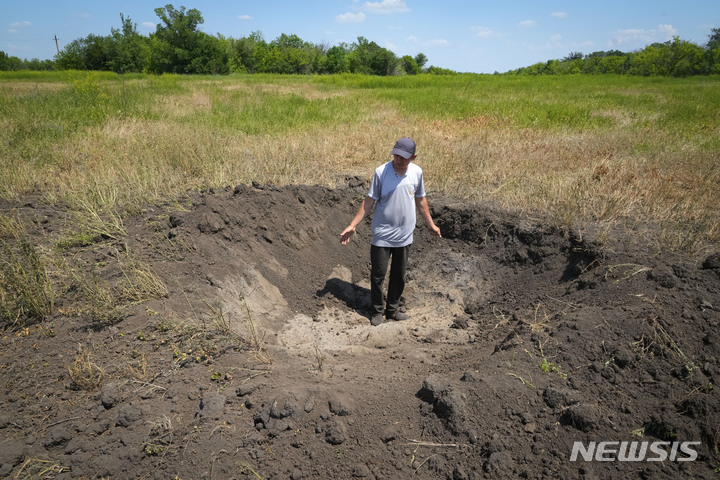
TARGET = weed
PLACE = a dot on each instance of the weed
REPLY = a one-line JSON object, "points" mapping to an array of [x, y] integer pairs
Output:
{"points": [[84, 373], [246, 468], [93, 221], [160, 437], [12, 227], [153, 449], [540, 321], [625, 271], [524, 382], [220, 318], [38, 468], [257, 342], [549, 367], [660, 343], [319, 357], [26, 292], [138, 369], [501, 317], [141, 281], [254, 337], [97, 297]]}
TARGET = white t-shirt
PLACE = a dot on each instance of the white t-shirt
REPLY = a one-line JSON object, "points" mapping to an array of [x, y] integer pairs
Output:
{"points": [[394, 217]]}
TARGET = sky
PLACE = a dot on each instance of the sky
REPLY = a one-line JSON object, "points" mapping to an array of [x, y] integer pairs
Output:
{"points": [[462, 35]]}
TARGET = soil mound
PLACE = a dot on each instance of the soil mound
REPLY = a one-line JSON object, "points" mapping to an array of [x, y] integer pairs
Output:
{"points": [[259, 361]]}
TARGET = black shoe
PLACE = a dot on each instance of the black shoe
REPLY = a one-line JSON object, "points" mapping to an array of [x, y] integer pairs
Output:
{"points": [[398, 316], [376, 319]]}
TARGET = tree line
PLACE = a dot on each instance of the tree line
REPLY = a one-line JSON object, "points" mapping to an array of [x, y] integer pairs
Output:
{"points": [[178, 46], [674, 58]]}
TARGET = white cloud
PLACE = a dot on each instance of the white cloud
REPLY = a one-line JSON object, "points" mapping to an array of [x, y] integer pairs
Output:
{"points": [[244, 17], [386, 6], [482, 32], [528, 23], [437, 42], [559, 14], [15, 26], [641, 35], [412, 38], [350, 17], [149, 25], [667, 30], [555, 41], [24, 24]]}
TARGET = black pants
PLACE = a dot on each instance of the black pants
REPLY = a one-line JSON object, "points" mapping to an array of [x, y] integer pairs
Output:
{"points": [[379, 258]]}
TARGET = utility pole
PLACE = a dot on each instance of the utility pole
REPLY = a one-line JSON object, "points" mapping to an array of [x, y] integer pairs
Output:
{"points": [[56, 44]]}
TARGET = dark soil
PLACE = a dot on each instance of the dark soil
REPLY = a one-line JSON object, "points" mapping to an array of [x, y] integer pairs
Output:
{"points": [[523, 339]]}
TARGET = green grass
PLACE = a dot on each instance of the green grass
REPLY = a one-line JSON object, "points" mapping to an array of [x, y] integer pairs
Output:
{"points": [[614, 150]]}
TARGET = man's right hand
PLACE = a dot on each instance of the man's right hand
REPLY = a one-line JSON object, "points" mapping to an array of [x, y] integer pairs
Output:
{"points": [[346, 234]]}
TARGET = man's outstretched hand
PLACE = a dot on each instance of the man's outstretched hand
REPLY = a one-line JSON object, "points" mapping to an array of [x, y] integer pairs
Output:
{"points": [[434, 230], [346, 234]]}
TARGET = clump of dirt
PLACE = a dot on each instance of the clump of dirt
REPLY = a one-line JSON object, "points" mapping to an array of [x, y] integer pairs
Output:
{"points": [[258, 359]]}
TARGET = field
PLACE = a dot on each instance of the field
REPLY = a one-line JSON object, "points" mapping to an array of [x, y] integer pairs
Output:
{"points": [[618, 151], [175, 302]]}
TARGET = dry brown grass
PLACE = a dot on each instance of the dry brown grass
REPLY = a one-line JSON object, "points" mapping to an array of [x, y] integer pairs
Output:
{"points": [[573, 176]]}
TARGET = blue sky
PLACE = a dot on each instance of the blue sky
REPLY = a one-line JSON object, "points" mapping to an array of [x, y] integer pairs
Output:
{"points": [[466, 36]]}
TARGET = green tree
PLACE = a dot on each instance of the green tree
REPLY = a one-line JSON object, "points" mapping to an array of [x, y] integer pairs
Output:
{"points": [[677, 58], [4, 61], [552, 67], [409, 65], [712, 61], [209, 56], [573, 56], [648, 62], [615, 64], [421, 60], [89, 53], [713, 39], [336, 59], [440, 71], [683, 58], [177, 42], [370, 58], [39, 65], [72, 56], [245, 52], [289, 54], [128, 50], [14, 64], [712, 53]]}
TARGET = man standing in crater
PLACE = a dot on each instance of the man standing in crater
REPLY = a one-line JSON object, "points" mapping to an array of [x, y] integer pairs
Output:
{"points": [[396, 191]]}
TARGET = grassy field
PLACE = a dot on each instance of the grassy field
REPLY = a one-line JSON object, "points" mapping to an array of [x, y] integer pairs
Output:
{"points": [[613, 152]]}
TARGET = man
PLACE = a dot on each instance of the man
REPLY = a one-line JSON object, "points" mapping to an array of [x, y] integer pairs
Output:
{"points": [[396, 191]]}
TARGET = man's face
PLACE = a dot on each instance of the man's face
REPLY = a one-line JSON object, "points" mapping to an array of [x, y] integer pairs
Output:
{"points": [[400, 161]]}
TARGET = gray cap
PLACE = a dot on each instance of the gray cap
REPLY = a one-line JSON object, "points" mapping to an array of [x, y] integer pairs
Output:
{"points": [[404, 147]]}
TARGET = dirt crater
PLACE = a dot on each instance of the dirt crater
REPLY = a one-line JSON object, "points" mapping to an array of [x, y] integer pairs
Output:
{"points": [[524, 338]]}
